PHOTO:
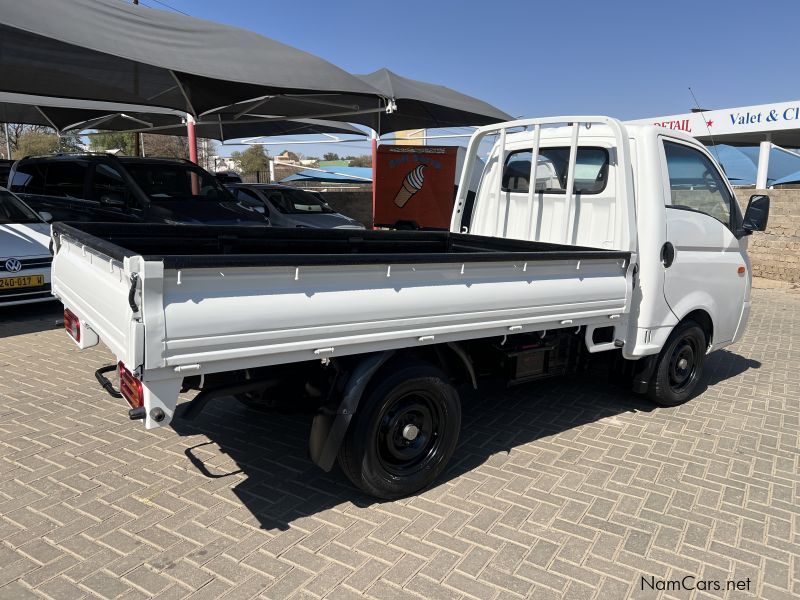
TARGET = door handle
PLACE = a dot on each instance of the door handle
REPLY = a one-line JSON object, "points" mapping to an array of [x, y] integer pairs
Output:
{"points": [[667, 254]]}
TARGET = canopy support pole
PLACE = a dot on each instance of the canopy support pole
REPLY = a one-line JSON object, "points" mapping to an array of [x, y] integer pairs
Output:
{"points": [[763, 163], [183, 92], [46, 118], [192, 138], [8, 141], [374, 147]]}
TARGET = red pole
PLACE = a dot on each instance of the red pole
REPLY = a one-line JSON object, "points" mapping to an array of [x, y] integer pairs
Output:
{"points": [[374, 174], [192, 139]]}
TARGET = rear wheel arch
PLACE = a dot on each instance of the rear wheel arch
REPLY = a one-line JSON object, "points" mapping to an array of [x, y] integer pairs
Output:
{"points": [[704, 320], [450, 357]]}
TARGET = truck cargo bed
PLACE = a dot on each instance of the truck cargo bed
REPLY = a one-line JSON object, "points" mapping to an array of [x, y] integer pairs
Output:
{"points": [[178, 300], [192, 246]]}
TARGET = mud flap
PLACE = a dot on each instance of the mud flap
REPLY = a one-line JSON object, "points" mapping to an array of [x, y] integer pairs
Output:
{"points": [[329, 428]]}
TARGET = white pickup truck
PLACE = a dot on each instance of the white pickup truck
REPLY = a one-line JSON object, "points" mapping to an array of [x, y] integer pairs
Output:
{"points": [[615, 238]]}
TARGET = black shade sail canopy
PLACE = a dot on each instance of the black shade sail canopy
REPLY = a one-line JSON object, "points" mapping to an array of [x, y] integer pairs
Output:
{"points": [[231, 131], [421, 105], [108, 50], [412, 105], [66, 115]]}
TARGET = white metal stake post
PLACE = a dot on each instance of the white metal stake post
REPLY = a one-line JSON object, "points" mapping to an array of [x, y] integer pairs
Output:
{"points": [[537, 131], [502, 214], [8, 141], [569, 196]]}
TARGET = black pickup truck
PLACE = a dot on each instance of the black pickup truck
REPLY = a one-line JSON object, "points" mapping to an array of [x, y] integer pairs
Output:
{"points": [[105, 188]]}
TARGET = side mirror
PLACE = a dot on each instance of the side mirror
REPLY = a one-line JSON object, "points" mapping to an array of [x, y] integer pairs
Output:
{"points": [[757, 214], [45, 216], [112, 200]]}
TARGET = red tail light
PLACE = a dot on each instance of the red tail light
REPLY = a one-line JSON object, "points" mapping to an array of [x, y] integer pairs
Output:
{"points": [[72, 324], [130, 387]]}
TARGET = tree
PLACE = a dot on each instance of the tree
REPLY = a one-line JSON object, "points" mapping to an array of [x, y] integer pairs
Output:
{"points": [[37, 142], [361, 161], [251, 161], [26, 140], [167, 146], [330, 156], [110, 140]]}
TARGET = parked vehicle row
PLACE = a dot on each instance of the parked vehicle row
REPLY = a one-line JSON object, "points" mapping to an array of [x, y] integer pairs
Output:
{"points": [[586, 236], [103, 188]]}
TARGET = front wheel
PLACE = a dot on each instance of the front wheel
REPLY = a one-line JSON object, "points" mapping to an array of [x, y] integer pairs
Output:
{"points": [[680, 365], [403, 434]]}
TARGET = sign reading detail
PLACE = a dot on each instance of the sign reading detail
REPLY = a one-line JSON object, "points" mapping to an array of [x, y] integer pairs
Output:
{"points": [[746, 119]]}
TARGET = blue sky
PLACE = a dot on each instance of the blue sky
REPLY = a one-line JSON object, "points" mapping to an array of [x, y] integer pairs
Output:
{"points": [[627, 59]]}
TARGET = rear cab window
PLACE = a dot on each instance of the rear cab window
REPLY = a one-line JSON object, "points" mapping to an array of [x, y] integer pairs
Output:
{"points": [[591, 170]]}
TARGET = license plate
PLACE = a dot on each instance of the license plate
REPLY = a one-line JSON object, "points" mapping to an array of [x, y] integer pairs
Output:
{"points": [[21, 281]]}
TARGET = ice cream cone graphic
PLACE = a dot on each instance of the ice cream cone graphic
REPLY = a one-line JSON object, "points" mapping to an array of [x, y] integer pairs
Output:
{"points": [[411, 185]]}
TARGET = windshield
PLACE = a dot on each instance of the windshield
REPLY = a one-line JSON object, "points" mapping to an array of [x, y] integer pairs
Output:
{"points": [[296, 201], [163, 182], [12, 210]]}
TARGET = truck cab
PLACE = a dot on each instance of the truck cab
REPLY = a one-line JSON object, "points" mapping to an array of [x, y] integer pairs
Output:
{"points": [[656, 192]]}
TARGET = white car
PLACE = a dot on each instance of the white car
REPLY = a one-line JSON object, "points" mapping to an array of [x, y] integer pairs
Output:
{"points": [[24, 253]]}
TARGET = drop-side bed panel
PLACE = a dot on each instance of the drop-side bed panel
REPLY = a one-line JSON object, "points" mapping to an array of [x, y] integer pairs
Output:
{"points": [[237, 297], [222, 314]]}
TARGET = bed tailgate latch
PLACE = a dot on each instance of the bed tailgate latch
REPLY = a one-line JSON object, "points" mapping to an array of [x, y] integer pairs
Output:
{"points": [[132, 293]]}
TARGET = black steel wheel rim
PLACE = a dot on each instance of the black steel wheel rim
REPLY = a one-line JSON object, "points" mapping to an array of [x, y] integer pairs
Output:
{"points": [[683, 365], [409, 435]]}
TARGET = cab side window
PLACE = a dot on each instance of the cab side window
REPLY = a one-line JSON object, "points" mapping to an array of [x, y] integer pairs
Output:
{"points": [[108, 184], [250, 200], [65, 179], [29, 178], [696, 184]]}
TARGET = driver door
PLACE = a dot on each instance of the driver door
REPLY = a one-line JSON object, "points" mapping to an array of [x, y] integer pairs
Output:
{"points": [[705, 263]]}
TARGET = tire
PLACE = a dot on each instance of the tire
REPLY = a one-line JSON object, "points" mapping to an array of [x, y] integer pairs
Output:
{"points": [[680, 365], [379, 454]]}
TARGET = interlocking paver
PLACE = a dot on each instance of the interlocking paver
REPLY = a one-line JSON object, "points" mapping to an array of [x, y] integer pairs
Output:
{"points": [[563, 489]]}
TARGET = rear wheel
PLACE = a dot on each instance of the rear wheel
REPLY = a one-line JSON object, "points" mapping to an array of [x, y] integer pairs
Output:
{"points": [[403, 434], [680, 365]]}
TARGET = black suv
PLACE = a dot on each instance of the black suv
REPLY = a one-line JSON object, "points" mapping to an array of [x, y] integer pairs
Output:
{"points": [[101, 187]]}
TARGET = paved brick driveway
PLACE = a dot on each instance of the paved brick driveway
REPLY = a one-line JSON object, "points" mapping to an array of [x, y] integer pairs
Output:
{"points": [[569, 489]]}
